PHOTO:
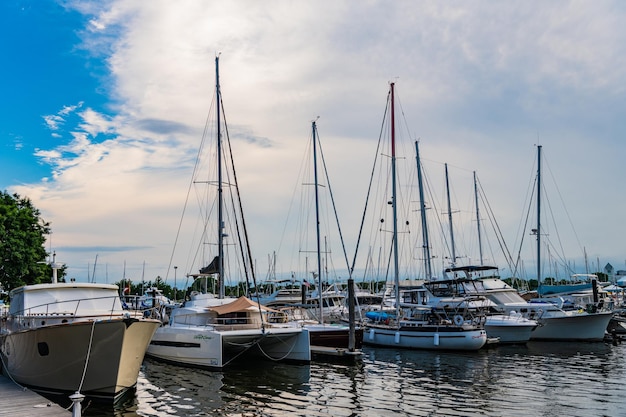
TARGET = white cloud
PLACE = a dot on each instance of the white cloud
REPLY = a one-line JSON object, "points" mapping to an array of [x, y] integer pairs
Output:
{"points": [[479, 83], [53, 121], [69, 109]]}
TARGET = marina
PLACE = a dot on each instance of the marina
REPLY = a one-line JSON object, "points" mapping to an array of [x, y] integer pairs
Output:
{"points": [[407, 288]]}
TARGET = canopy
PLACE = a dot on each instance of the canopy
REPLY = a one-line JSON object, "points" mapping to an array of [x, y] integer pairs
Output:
{"points": [[241, 304]]}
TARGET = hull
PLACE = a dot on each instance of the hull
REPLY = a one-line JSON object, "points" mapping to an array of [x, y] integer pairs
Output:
{"points": [[509, 329], [208, 348], [52, 359], [574, 327], [426, 337], [545, 290], [334, 336]]}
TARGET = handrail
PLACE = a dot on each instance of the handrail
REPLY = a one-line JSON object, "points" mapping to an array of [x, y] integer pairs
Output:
{"points": [[30, 311]]}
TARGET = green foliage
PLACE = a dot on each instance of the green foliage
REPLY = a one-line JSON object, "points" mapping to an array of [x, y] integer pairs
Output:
{"points": [[139, 288], [22, 238]]}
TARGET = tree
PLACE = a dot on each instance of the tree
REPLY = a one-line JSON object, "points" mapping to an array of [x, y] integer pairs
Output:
{"points": [[22, 238]]}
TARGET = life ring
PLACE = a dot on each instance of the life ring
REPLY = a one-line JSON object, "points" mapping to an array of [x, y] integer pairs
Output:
{"points": [[458, 320]]}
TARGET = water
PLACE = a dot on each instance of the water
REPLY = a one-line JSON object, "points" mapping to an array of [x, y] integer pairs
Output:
{"points": [[539, 379]]}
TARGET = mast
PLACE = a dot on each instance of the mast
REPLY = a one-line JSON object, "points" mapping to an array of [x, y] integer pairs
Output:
{"points": [[453, 263], [317, 223], [480, 244], [55, 267], [394, 203], [539, 214], [220, 209], [426, 243]]}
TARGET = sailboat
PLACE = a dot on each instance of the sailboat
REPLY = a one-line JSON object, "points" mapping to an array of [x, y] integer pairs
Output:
{"points": [[460, 289], [326, 338], [211, 330], [553, 322], [589, 324], [413, 325]]}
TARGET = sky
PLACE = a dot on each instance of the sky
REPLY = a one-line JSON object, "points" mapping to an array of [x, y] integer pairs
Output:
{"points": [[105, 102]]}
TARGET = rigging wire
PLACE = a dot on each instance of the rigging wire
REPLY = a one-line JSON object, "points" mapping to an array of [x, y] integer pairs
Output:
{"points": [[369, 188]]}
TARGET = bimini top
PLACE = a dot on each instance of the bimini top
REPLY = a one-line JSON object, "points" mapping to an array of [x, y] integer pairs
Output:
{"points": [[471, 268], [241, 304]]}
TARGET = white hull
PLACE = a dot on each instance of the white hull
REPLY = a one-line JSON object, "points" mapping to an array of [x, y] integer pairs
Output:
{"points": [[53, 358], [425, 337], [509, 329], [573, 327], [210, 348]]}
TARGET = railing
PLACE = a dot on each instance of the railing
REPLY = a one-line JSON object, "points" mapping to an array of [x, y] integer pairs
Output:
{"points": [[195, 320], [53, 313]]}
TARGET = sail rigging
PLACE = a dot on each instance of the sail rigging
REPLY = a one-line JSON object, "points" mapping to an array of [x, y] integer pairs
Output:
{"points": [[219, 247]]}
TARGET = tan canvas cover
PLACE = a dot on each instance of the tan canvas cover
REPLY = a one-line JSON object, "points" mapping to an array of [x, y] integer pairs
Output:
{"points": [[241, 304]]}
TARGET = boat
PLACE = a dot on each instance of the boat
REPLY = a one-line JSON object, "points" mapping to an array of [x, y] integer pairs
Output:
{"points": [[65, 338], [320, 312], [509, 312], [576, 283], [453, 293], [212, 330], [282, 292], [333, 300], [151, 298], [553, 322], [587, 324], [617, 324], [212, 333], [366, 301], [325, 338], [416, 326], [467, 288]]}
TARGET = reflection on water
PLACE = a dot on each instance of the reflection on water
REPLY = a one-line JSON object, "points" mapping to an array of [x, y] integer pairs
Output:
{"points": [[542, 378]]}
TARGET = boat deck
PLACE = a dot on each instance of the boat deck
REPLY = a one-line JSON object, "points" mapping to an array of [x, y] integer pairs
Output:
{"points": [[16, 401]]}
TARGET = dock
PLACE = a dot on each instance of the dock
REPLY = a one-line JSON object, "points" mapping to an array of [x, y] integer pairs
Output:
{"points": [[16, 401], [337, 352]]}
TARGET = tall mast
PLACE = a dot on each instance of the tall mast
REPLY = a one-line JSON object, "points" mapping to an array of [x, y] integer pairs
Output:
{"points": [[317, 223], [539, 214], [426, 243], [480, 243], [453, 263], [220, 210], [394, 203]]}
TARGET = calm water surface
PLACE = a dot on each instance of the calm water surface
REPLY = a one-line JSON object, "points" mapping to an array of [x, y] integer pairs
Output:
{"points": [[539, 379]]}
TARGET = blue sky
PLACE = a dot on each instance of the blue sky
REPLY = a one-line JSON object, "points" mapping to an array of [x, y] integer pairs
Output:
{"points": [[104, 105], [37, 69]]}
